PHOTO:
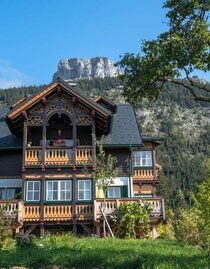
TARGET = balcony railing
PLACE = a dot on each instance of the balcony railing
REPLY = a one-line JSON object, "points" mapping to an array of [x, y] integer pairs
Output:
{"points": [[143, 174], [33, 156], [32, 213], [112, 204], [58, 156], [10, 209]]}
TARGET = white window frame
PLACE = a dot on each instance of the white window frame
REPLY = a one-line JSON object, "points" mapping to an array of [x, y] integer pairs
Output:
{"points": [[115, 195], [59, 190], [85, 190], [138, 158], [33, 191]]}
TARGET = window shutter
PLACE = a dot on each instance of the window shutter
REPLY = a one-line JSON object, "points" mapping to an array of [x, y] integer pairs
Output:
{"points": [[124, 191]]}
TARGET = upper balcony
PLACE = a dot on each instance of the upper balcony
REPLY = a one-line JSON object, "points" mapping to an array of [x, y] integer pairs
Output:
{"points": [[60, 155]]}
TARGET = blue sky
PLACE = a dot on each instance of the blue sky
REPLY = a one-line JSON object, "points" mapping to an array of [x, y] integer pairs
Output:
{"points": [[36, 34]]}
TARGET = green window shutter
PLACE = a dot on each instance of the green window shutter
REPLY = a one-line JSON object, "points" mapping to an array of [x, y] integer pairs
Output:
{"points": [[124, 191], [18, 193]]}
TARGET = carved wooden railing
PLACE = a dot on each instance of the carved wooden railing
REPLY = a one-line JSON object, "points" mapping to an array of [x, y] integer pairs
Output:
{"points": [[31, 213], [143, 174], [58, 156], [10, 209], [33, 156], [58, 212], [112, 204], [84, 155], [84, 212]]}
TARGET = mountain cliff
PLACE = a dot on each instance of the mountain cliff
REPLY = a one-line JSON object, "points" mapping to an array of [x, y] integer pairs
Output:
{"points": [[77, 68]]}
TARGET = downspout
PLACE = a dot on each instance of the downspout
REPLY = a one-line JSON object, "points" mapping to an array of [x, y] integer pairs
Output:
{"points": [[130, 171]]}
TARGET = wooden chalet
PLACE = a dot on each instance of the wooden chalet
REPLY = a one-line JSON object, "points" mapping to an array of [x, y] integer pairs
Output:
{"points": [[47, 140]]}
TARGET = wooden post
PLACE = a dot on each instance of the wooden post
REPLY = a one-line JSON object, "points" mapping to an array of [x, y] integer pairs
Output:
{"points": [[154, 162], [25, 135], [41, 230], [44, 131], [93, 139], [74, 134]]}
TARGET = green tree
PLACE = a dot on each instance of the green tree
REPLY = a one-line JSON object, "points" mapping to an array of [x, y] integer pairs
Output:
{"points": [[104, 174], [184, 48]]}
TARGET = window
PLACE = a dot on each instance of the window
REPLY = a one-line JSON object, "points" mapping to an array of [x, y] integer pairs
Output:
{"points": [[6, 194], [84, 190], [59, 190], [143, 158], [114, 192], [33, 191]]}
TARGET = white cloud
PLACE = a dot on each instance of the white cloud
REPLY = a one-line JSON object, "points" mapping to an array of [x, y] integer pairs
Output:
{"points": [[10, 76]]}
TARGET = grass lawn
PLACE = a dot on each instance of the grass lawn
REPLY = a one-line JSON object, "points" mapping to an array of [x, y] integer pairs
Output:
{"points": [[69, 251]]}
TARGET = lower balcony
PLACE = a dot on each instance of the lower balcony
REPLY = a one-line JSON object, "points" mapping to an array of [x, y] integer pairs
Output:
{"points": [[91, 212], [58, 156]]}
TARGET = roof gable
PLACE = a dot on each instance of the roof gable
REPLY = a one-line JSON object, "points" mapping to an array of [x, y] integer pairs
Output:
{"points": [[58, 91]]}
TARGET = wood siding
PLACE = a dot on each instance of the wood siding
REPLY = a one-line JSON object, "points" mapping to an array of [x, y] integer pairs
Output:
{"points": [[11, 163]]}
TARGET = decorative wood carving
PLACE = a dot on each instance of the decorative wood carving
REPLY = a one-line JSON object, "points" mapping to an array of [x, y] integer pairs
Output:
{"points": [[53, 98], [36, 120], [51, 109], [37, 109], [80, 108], [65, 98], [67, 108], [84, 120]]}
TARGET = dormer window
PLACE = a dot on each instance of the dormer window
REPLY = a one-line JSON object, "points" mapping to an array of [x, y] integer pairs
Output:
{"points": [[142, 158]]}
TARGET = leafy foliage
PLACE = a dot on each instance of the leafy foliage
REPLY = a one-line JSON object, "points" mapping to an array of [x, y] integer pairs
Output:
{"points": [[184, 48], [104, 174], [6, 232], [131, 220]]}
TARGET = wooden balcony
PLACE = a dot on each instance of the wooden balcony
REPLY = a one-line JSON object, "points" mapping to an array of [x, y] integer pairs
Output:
{"points": [[61, 156], [55, 156], [144, 174], [10, 209], [33, 156], [112, 204], [84, 155], [32, 213]]}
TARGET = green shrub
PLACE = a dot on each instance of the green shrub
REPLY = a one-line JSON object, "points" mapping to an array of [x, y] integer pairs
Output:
{"points": [[186, 228], [6, 232], [131, 220], [165, 230], [24, 241]]}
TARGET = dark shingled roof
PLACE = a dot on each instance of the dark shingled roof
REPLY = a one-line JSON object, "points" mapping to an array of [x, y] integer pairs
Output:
{"points": [[124, 128], [7, 140]]}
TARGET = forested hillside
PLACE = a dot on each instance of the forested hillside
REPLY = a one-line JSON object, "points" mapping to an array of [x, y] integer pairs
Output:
{"points": [[182, 122]]}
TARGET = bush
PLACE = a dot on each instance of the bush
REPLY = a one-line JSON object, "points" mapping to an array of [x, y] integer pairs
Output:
{"points": [[165, 230], [186, 228], [25, 241], [6, 232], [131, 220]]}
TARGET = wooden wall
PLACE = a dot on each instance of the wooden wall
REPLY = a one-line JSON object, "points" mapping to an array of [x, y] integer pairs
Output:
{"points": [[11, 163]]}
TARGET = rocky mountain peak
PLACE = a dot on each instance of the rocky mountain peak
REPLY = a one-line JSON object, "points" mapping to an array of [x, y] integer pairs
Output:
{"points": [[78, 68]]}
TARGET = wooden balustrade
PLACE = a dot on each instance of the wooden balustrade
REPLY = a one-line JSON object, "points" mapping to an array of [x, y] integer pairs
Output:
{"points": [[84, 212], [84, 156], [58, 156], [58, 212], [31, 213], [143, 174], [112, 204], [9, 208], [33, 156]]}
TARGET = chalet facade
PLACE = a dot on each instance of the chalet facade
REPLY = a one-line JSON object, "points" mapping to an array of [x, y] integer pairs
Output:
{"points": [[47, 144]]}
